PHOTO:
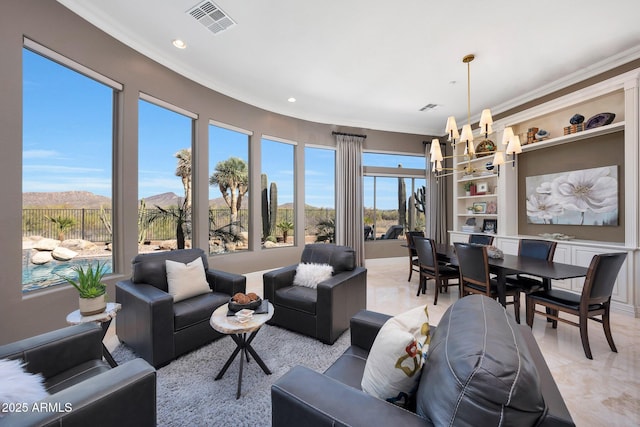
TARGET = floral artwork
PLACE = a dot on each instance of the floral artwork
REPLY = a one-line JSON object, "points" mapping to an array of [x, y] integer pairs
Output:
{"points": [[582, 197]]}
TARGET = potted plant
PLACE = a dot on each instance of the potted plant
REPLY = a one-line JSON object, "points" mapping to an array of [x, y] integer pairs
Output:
{"points": [[470, 210], [92, 291], [467, 187]]}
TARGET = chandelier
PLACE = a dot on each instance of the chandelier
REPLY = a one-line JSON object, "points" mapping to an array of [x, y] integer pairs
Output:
{"points": [[466, 137]]}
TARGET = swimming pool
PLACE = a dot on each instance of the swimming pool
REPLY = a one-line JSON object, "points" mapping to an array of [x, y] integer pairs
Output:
{"points": [[36, 277]]}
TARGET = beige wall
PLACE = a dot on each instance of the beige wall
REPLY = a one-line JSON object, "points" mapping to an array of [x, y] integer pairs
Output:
{"points": [[52, 25]]}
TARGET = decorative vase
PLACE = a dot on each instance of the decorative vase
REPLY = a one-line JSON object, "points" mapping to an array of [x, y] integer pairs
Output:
{"points": [[91, 306]]}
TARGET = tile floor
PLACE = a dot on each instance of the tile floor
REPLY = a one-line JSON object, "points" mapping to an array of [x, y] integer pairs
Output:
{"points": [[602, 391]]}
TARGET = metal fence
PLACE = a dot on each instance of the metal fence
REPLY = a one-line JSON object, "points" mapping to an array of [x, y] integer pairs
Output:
{"points": [[95, 224]]}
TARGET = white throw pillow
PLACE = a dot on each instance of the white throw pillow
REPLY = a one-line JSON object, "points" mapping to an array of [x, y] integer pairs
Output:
{"points": [[186, 280], [394, 365], [19, 386], [310, 275]]}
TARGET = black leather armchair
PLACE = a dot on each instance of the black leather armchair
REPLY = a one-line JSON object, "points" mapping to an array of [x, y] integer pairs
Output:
{"points": [[460, 385], [155, 327], [323, 313], [76, 378]]}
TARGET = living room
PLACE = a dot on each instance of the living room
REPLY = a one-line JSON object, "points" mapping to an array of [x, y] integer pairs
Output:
{"points": [[74, 38]]}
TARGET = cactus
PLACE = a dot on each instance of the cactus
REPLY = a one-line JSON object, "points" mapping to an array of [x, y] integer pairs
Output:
{"points": [[106, 220], [402, 203], [273, 208], [143, 225], [412, 213], [420, 201], [266, 230]]}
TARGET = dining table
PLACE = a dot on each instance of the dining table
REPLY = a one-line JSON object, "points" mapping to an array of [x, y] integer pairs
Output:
{"points": [[515, 264]]}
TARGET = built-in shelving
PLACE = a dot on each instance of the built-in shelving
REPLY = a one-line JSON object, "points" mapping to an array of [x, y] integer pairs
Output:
{"points": [[579, 136]]}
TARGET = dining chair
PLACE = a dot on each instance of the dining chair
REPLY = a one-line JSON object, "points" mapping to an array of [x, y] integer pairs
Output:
{"points": [[473, 263], [595, 299], [481, 239], [413, 256], [430, 268], [533, 248]]}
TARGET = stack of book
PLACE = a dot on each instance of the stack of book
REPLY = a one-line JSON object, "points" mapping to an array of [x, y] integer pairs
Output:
{"points": [[470, 229], [574, 129]]}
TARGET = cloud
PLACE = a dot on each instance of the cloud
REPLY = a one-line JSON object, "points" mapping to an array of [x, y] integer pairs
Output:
{"points": [[39, 154], [52, 169]]}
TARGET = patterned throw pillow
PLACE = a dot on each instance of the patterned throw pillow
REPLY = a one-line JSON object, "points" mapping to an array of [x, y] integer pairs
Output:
{"points": [[393, 368], [310, 275]]}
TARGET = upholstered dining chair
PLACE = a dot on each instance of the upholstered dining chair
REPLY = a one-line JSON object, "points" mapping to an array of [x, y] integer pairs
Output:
{"points": [[430, 268], [413, 256], [533, 248], [473, 263], [595, 299], [481, 239]]}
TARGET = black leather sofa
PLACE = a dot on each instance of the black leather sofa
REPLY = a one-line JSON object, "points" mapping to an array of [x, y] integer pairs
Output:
{"points": [[322, 313], [78, 380], [482, 369], [155, 327]]}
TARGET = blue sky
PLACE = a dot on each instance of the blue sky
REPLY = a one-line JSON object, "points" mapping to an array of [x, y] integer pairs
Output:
{"points": [[68, 135]]}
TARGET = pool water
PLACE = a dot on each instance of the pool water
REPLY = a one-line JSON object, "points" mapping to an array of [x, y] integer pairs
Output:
{"points": [[43, 276]]}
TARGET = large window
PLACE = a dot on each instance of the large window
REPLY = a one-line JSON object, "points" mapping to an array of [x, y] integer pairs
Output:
{"points": [[228, 189], [394, 195], [164, 176], [319, 194], [66, 169], [277, 193]]}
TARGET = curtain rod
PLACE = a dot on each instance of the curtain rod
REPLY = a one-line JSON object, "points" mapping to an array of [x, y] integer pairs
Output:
{"points": [[348, 134]]}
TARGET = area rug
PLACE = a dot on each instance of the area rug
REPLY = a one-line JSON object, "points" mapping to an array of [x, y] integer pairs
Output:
{"points": [[187, 394]]}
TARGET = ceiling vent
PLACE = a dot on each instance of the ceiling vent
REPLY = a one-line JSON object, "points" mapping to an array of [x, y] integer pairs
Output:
{"points": [[429, 107], [211, 16]]}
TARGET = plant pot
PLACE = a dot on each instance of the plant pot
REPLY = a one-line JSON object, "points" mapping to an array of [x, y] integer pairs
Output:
{"points": [[91, 306]]}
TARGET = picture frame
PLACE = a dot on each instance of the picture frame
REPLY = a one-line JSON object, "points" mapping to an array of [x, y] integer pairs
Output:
{"points": [[490, 226], [482, 187], [479, 207]]}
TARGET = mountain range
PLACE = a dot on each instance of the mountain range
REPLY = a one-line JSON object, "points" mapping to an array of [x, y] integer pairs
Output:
{"points": [[86, 199]]}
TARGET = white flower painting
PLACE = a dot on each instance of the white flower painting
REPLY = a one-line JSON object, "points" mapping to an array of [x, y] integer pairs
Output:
{"points": [[582, 197]]}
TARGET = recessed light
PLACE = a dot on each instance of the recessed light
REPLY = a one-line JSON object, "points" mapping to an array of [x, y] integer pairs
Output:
{"points": [[179, 44], [292, 99]]}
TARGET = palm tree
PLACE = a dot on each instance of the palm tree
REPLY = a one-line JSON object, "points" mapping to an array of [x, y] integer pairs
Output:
{"points": [[63, 223], [326, 230], [179, 215], [232, 178], [183, 170]]}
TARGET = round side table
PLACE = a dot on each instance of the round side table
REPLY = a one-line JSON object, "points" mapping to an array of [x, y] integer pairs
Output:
{"points": [[229, 325], [104, 318]]}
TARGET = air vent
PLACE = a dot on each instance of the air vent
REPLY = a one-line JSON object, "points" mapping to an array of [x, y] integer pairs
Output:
{"points": [[211, 16], [429, 107]]}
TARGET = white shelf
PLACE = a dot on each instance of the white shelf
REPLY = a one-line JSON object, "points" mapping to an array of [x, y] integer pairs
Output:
{"points": [[578, 136], [475, 178], [479, 196], [479, 215], [486, 158]]}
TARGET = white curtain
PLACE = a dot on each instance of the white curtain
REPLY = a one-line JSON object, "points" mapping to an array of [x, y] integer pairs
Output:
{"points": [[437, 204], [349, 210]]}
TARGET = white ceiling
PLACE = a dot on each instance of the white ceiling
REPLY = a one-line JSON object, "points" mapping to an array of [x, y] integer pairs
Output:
{"points": [[374, 64]]}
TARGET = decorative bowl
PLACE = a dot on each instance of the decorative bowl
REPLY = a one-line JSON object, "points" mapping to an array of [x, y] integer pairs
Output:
{"points": [[234, 306]]}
